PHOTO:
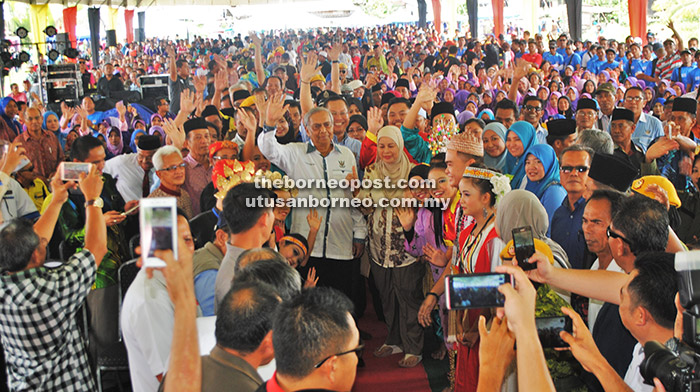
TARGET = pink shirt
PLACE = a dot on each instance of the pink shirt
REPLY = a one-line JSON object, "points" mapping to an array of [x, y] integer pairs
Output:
{"points": [[197, 177]]}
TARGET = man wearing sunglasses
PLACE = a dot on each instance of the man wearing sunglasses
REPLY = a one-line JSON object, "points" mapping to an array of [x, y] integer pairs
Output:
{"points": [[316, 343], [566, 221], [532, 112], [170, 169]]}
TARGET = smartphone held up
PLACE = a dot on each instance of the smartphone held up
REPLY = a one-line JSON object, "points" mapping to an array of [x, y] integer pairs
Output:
{"points": [[524, 245], [158, 224], [475, 290]]}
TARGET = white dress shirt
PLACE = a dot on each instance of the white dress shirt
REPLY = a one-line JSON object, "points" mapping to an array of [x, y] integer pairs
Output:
{"points": [[633, 378], [594, 305], [128, 173], [303, 161]]}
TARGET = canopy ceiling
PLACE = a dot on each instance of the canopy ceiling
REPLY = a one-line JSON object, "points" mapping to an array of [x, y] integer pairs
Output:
{"points": [[149, 3]]}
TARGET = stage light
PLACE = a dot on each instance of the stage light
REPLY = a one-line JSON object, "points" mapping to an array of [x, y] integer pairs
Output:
{"points": [[21, 32], [23, 57], [53, 54], [71, 53], [50, 31], [6, 57]]}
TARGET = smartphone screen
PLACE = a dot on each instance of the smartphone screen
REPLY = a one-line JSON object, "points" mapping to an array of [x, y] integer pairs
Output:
{"points": [[70, 171], [158, 222], [548, 329], [524, 245], [475, 290]]}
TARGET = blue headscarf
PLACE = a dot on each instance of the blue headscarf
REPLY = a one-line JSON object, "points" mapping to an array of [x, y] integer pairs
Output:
{"points": [[14, 125], [545, 153], [500, 130], [487, 112], [136, 132], [46, 117], [516, 166]]}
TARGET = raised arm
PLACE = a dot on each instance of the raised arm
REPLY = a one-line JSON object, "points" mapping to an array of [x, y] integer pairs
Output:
{"points": [[45, 225], [259, 69], [333, 55], [426, 96], [95, 228], [519, 72], [172, 66], [676, 36], [309, 68]]}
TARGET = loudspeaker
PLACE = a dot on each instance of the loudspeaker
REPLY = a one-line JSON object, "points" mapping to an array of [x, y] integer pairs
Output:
{"points": [[62, 42], [111, 37]]}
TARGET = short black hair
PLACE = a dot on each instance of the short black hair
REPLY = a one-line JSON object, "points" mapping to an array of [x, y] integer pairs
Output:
{"points": [[474, 120], [334, 98], [655, 286], [613, 196], [293, 104], [18, 241], [244, 316], [281, 276], [644, 223], [180, 63], [308, 328], [529, 98], [507, 104], [237, 212], [634, 88], [80, 149], [398, 100]]}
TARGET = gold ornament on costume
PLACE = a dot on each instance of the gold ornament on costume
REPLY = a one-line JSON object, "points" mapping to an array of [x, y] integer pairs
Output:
{"points": [[277, 177], [228, 173]]}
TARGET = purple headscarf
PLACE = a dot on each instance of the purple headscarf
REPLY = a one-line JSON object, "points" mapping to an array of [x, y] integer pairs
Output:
{"points": [[119, 148], [460, 102]]}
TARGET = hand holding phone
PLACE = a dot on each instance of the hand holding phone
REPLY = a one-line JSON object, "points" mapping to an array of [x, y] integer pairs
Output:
{"points": [[70, 171], [158, 223], [475, 290], [524, 245], [549, 328]]}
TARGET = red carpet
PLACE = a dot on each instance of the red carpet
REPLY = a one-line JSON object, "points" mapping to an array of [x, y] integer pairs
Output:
{"points": [[384, 374]]}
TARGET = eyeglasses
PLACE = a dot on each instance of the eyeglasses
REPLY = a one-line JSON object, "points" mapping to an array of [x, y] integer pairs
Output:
{"points": [[569, 169], [633, 99], [612, 234], [357, 350], [174, 167], [217, 158], [584, 114], [532, 108]]}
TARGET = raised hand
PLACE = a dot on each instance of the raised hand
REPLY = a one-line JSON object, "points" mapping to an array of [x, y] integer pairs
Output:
{"points": [[121, 109], [375, 121], [311, 278], [248, 120], [309, 67], [314, 220], [407, 217], [435, 256], [12, 158], [176, 134], [187, 101], [257, 41], [335, 51], [221, 80], [170, 51], [200, 83]]}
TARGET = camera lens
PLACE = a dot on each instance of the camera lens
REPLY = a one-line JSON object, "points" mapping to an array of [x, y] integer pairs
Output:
{"points": [[662, 363]]}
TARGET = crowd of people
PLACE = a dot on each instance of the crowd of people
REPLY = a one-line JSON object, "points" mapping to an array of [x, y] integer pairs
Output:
{"points": [[592, 145]]}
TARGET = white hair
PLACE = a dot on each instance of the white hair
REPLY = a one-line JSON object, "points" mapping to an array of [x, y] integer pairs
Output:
{"points": [[162, 152]]}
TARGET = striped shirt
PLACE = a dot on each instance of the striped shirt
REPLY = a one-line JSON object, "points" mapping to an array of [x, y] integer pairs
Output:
{"points": [[666, 65]]}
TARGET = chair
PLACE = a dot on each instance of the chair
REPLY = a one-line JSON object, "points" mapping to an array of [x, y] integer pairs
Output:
{"points": [[65, 251], [133, 243], [113, 357]]}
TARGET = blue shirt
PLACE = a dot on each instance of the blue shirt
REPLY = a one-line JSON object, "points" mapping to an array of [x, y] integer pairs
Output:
{"points": [[693, 79], [551, 200], [204, 284], [574, 60], [636, 66], [554, 59], [562, 52], [606, 65], [680, 74], [566, 231], [647, 130]]}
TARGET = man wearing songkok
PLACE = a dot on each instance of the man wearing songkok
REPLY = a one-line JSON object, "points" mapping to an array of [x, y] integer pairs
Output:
{"points": [[133, 172], [586, 114], [561, 134]]}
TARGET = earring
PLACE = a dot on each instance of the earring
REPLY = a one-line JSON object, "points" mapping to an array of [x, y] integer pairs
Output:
{"points": [[486, 213]]}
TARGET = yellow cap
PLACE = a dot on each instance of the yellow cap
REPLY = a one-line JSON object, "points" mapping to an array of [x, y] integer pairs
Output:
{"points": [[317, 78], [640, 186], [248, 102]]}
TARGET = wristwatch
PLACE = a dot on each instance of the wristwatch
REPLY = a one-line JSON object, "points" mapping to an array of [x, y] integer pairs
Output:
{"points": [[99, 203]]}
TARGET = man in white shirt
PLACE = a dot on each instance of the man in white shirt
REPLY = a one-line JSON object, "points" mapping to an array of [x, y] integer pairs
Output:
{"points": [[597, 217], [133, 172], [341, 237], [14, 200], [147, 322]]}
